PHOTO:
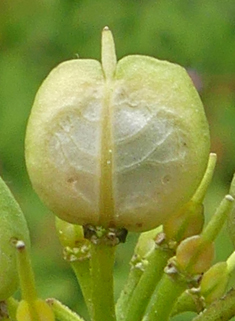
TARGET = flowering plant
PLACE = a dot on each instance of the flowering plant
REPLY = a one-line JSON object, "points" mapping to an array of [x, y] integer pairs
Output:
{"points": [[113, 147]]}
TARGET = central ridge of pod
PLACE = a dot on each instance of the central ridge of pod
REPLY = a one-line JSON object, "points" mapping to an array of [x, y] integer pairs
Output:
{"points": [[109, 61]]}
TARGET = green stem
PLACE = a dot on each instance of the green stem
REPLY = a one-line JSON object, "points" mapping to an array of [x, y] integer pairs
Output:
{"points": [[4, 311], [147, 283], [145, 246], [231, 263], [232, 187], [201, 191], [27, 281], [188, 302], [220, 310], [62, 312], [125, 296], [12, 305], [164, 298], [217, 221], [102, 261], [26, 276], [82, 271]]}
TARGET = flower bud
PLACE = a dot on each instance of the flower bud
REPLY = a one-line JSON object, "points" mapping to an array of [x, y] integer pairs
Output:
{"points": [[42, 311], [70, 235], [214, 282], [146, 243], [12, 227], [186, 222], [119, 145], [194, 256], [75, 246]]}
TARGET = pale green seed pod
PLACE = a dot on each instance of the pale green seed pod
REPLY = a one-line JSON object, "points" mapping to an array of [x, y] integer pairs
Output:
{"points": [[12, 227], [117, 144]]}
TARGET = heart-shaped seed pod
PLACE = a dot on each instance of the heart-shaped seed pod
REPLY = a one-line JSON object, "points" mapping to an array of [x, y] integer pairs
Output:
{"points": [[12, 227], [117, 144]]}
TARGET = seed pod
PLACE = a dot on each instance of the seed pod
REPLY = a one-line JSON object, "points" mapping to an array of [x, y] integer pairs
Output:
{"points": [[117, 144], [12, 226]]}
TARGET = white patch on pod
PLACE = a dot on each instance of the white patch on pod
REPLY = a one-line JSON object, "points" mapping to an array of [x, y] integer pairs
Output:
{"points": [[156, 150]]}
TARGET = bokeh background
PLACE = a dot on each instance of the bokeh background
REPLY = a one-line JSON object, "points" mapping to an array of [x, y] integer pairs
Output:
{"points": [[36, 35]]}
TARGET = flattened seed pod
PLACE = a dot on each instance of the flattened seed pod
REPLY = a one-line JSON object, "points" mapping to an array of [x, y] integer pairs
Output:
{"points": [[117, 144]]}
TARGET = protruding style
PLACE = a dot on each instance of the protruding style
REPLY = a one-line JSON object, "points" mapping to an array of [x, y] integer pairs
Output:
{"points": [[108, 54]]}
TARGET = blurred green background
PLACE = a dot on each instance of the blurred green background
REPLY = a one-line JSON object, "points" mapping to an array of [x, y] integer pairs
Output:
{"points": [[37, 35]]}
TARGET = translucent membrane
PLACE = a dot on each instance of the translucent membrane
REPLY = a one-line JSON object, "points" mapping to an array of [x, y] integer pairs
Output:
{"points": [[117, 144]]}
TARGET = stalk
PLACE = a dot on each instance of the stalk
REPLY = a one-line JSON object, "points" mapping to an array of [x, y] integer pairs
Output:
{"points": [[220, 310], [101, 262], [62, 312], [82, 271], [127, 292], [147, 283], [164, 298]]}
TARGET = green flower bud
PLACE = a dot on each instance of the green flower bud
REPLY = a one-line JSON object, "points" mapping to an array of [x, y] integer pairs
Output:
{"points": [[70, 235], [12, 227], [75, 246], [214, 282], [194, 256], [146, 243], [119, 145], [186, 222], [42, 312]]}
